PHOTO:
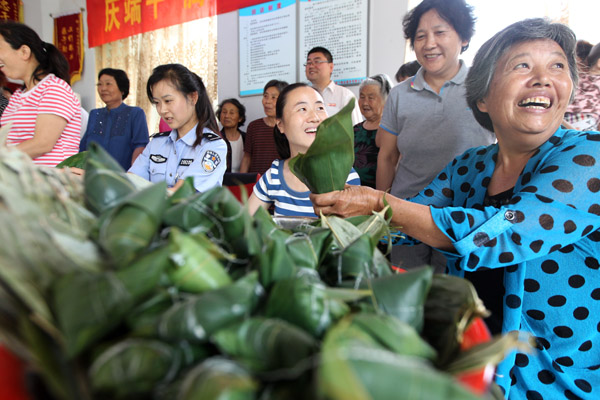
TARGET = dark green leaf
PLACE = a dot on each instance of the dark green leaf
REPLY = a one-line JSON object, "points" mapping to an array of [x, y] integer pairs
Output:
{"points": [[327, 163], [266, 344], [200, 316]]}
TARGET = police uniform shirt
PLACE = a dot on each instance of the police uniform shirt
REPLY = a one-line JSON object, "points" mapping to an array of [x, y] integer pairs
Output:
{"points": [[168, 159]]}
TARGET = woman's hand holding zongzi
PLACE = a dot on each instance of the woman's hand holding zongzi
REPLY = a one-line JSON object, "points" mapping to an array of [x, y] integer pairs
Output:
{"points": [[353, 200]]}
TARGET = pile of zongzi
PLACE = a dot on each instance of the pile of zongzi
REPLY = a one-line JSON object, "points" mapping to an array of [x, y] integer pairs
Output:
{"points": [[110, 290]]}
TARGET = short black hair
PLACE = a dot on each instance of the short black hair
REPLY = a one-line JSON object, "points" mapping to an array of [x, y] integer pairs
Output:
{"points": [[407, 70], [120, 77], [593, 56], [279, 85], [582, 49], [456, 12], [238, 105], [323, 50]]}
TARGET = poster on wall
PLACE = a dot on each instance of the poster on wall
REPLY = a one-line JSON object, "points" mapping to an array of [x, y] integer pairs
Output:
{"points": [[267, 40], [341, 26]]}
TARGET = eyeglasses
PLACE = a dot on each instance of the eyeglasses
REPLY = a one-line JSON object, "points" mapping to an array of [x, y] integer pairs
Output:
{"points": [[316, 63]]}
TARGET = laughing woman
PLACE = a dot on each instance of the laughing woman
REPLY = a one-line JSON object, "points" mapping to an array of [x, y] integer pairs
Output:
{"points": [[299, 111], [45, 113], [527, 205], [192, 148]]}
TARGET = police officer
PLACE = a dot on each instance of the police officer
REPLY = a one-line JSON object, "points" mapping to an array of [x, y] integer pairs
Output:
{"points": [[192, 148]]}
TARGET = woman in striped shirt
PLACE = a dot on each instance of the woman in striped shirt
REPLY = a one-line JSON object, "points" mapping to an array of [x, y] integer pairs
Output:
{"points": [[299, 111], [45, 113]]}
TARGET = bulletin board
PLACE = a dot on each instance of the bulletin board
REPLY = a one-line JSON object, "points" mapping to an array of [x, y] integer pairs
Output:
{"points": [[341, 26], [275, 37], [267, 36]]}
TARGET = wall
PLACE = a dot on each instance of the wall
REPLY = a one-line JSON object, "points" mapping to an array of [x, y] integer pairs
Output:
{"points": [[386, 50], [386, 46]]}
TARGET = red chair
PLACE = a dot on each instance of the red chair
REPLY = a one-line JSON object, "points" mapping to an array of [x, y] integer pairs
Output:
{"points": [[234, 181]]}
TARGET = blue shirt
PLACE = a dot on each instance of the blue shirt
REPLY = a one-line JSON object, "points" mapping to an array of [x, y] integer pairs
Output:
{"points": [[119, 131], [272, 188], [547, 240], [169, 159]]}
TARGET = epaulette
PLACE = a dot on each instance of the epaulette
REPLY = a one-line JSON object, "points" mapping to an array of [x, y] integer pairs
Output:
{"points": [[160, 134], [211, 136]]}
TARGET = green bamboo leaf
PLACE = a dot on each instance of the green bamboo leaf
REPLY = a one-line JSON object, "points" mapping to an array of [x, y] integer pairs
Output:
{"points": [[134, 367], [99, 158], [451, 305], [354, 367], [198, 317], [76, 160], [263, 344], [195, 268], [393, 335], [105, 188], [128, 228], [144, 318], [218, 378], [184, 191], [307, 248], [403, 295], [327, 163], [89, 305], [491, 352], [303, 301]]}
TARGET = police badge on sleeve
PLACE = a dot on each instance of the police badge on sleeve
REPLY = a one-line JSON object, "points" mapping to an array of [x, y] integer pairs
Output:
{"points": [[210, 161]]}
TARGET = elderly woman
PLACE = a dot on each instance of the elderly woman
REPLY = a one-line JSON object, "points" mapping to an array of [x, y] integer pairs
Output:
{"points": [[121, 129], [232, 114], [426, 121], [373, 92], [527, 205]]}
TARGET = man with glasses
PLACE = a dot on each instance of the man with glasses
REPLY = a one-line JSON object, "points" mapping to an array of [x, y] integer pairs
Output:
{"points": [[319, 67]]}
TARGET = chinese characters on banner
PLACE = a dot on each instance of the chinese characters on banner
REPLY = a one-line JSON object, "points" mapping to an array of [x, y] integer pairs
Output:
{"points": [[110, 20], [11, 10], [68, 38]]}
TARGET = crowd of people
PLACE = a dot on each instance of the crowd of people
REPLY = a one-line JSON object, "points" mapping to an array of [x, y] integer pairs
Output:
{"points": [[490, 171]]}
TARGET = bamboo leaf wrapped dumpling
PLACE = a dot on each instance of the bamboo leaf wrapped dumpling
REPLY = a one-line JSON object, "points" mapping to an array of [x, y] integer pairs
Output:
{"points": [[129, 227], [200, 316], [328, 161], [218, 378], [304, 302]]}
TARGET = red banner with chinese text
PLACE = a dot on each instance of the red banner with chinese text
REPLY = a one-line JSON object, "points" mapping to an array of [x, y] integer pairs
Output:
{"points": [[225, 6], [110, 20], [68, 38], [11, 10]]}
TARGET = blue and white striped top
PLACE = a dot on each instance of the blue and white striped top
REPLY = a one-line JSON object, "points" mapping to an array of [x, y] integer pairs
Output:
{"points": [[272, 188]]}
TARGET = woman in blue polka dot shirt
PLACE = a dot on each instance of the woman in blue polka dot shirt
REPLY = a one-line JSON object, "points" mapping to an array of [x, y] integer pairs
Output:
{"points": [[528, 205]]}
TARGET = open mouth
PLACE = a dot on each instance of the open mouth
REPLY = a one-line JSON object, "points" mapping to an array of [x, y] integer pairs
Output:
{"points": [[540, 103], [311, 131]]}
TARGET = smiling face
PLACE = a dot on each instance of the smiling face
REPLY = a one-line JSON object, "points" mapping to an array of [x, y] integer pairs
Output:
{"points": [[109, 91], [371, 102], [318, 69], [437, 46], [230, 116], [177, 109], [529, 92], [269, 101], [303, 112], [12, 62]]}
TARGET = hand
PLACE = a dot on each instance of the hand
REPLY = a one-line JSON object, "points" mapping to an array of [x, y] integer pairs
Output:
{"points": [[353, 200]]}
